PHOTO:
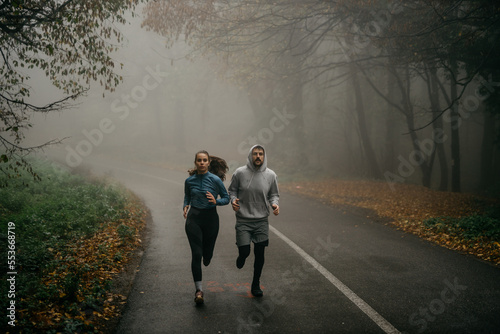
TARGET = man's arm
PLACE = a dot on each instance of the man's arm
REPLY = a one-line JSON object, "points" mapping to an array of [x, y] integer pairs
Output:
{"points": [[233, 187], [274, 196], [233, 191]]}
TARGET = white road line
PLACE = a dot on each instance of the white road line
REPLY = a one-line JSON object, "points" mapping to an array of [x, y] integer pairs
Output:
{"points": [[361, 304]]}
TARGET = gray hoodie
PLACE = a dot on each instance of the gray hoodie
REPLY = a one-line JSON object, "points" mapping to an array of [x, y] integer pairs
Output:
{"points": [[257, 189]]}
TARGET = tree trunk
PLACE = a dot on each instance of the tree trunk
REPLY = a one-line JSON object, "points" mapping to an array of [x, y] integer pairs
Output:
{"points": [[438, 126], [417, 156], [295, 108], [487, 151], [371, 160], [427, 160], [455, 135], [390, 126], [261, 100]]}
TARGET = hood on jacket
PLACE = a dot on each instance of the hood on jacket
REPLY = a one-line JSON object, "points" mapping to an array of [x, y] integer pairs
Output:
{"points": [[250, 161]]}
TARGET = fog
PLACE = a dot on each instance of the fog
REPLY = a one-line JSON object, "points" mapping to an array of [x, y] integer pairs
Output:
{"points": [[164, 111], [167, 108]]}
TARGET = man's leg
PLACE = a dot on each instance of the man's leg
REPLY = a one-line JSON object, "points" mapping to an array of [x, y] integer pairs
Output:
{"points": [[243, 253], [259, 250], [243, 240]]}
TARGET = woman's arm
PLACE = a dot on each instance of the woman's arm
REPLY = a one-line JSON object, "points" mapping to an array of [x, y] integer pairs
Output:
{"points": [[224, 196], [187, 198]]}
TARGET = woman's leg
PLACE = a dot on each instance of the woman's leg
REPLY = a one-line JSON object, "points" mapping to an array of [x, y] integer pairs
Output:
{"points": [[195, 237], [210, 233]]}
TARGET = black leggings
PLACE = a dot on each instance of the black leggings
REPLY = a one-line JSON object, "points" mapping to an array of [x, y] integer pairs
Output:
{"points": [[258, 250], [202, 228]]}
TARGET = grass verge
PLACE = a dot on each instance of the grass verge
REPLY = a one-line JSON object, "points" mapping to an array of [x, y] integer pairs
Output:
{"points": [[72, 236]]}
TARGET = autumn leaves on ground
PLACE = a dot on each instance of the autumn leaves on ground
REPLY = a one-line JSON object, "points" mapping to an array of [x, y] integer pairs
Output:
{"points": [[459, 221], [75, 236]]}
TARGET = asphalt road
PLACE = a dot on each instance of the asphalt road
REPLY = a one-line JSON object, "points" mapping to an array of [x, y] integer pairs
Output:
{"points": [[326, 271]]}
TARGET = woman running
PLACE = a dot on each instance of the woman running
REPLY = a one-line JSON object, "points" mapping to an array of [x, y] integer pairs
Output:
{"points": [[201, 190]]}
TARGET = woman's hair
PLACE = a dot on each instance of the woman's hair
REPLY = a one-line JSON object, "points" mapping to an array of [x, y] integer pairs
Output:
{"points": [[218, 166]]}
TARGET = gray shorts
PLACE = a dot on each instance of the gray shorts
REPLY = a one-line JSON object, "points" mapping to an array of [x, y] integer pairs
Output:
{"points": [[256, 232]]}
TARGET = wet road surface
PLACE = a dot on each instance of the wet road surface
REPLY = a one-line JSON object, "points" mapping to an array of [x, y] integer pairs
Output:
{"points": [[326, 271]]}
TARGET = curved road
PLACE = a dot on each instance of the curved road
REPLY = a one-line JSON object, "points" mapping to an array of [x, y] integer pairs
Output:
{"points": [[326, 271]]}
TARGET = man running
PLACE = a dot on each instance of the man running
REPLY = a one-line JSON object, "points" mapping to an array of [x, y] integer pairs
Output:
{"points": [[253, 190]]}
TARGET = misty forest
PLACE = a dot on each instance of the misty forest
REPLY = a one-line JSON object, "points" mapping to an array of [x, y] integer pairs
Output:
{"points": [[388, 92]]}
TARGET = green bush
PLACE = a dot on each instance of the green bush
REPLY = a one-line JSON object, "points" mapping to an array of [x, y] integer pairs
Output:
{"points": [[49, 215], [126, 233], [471, 227]]}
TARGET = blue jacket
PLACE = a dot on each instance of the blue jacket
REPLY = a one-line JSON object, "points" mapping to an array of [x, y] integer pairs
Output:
{"points": [[196, 187]]}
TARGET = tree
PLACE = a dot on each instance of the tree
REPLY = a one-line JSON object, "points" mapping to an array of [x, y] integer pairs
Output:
{"points": [[67, 41], [371, 160], [458, 39], [263, 47], [275, 49]]}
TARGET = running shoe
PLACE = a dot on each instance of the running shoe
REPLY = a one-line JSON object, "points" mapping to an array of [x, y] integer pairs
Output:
{"points": [[257, 291], [198, 297]]}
